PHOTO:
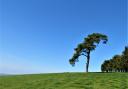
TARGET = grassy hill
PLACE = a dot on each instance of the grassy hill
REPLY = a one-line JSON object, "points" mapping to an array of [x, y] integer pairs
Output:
{"points": [[66, 81]]}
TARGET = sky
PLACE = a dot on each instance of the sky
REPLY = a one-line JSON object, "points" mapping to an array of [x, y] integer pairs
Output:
{"points": [[39, 36]]}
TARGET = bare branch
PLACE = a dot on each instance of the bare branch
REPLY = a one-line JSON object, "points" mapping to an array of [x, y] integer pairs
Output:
{"points": [[83, 54]]}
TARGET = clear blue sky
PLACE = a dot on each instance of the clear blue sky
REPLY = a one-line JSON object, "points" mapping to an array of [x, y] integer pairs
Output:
{"points": [[38, 36]]}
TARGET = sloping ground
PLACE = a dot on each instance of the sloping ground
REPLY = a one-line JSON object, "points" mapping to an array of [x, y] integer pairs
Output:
{"points": [[66, 81]]}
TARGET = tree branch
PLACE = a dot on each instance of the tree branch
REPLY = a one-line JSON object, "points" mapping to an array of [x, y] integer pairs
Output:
{"points": [[83, 54]]}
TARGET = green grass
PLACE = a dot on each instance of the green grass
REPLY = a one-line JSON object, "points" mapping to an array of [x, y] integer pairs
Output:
{"points": [[66, 81]]}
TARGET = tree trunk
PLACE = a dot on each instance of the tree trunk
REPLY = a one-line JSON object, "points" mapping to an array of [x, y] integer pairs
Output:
{"points": [[88, 59]]}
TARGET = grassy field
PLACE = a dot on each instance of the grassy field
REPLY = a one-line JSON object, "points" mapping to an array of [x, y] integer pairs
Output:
{"points": [[66, 81]]}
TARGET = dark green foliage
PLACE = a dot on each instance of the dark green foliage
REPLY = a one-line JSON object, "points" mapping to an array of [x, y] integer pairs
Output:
{"points": [[125, 59], [119, 63], [89, 44]]}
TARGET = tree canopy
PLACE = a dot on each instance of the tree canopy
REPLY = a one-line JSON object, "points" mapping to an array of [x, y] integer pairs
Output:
{"points": [[89, 44], [118, 63]]}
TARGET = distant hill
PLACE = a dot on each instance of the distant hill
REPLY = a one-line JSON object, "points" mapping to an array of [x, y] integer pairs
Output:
{"points": [[3, 74]]}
